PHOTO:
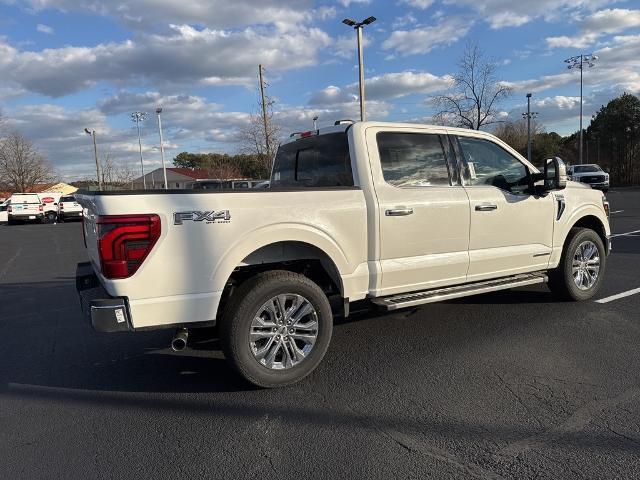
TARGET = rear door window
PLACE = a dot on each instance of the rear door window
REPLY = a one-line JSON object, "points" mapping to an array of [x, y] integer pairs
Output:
{"points": [[413, 159], [316, 161]]}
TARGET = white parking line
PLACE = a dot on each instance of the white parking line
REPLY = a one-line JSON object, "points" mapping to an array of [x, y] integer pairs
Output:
{"points": [[625, 234], [628, 293]]}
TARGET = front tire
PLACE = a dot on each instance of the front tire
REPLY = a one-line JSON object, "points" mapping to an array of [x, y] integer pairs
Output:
{"points": [[276, 328], [582, 266]]}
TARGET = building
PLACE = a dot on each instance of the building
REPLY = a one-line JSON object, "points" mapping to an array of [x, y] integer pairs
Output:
{"points": [[176, 178], [62, 188]]}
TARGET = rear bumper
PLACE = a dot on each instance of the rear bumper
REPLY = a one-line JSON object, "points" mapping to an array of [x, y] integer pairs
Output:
{"points": [[104, 312], [70, 214], [25, 217]]}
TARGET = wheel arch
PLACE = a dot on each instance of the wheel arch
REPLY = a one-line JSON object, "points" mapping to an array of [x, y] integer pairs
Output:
{"points": [[594, 223], [296, 247]]}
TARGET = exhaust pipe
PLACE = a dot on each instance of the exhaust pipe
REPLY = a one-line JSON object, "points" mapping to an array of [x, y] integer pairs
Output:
{"points": [[180, 339]]}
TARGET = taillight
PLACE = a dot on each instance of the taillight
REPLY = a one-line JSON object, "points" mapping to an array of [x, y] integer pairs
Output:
{"points": [[9, 209], [61, 205], [124, 241], [40, 208]]}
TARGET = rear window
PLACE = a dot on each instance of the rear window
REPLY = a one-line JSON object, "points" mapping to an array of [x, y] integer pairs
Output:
{"points": [[25, 199], [586, 169], [318, 161], [68, 199]]}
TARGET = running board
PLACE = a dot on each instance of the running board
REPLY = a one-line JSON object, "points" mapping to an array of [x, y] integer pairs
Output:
{"points": [[404, 300]]}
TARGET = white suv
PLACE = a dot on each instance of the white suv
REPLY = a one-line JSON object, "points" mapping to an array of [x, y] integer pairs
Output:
{"points": [[591, 174], [68, 208]]}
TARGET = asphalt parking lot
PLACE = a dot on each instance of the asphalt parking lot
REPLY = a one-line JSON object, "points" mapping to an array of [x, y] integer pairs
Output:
{"points": [[511, 385]]}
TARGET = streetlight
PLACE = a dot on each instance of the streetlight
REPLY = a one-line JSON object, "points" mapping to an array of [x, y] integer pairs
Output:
{"points": [[139, 117], [529, 115], [578, 62], [358, 26], [92, 133], [315, 122], [164, 169]]}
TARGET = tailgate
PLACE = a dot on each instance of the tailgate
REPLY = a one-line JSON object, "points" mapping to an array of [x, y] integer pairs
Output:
{"points": [[25, 208]]}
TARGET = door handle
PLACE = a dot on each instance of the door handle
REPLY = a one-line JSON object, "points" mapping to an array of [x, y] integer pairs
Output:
{"points": [[485, 207], [398, 212]]}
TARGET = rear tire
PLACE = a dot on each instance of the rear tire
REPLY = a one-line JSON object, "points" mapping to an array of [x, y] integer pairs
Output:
{"points": [[50, 217], [582, 266], [276, 328]]}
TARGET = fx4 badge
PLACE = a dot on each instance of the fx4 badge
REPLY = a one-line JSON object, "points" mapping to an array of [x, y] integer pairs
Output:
{"points": [[222, 216]]}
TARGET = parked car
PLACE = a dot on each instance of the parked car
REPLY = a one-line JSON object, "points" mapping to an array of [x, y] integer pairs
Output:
{"points": [[50, 205], [25, 207], [396, 215], [4, 216], [69, 208], [591, 174]]}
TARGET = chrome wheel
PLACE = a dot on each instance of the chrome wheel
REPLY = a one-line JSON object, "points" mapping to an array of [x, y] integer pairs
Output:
{"points": [[586, 265], [283, 331]]}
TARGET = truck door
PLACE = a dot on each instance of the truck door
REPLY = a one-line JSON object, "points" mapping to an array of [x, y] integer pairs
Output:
{"points": [[423, 211], [511, 229]]}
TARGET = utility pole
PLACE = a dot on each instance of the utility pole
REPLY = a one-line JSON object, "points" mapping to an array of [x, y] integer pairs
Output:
{"points": [[264, 111], [579, 61], [529, 115], [164, 168], [138, 117], [95, 153], [358, 27]]}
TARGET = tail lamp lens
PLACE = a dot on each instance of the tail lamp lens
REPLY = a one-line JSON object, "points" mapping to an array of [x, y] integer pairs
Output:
{"points": [[9, 209], [40, 207], [124, 241], [61, 205]]}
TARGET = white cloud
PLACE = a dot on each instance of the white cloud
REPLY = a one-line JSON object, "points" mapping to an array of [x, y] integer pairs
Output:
{"points": [[331, 95], [617, 68], [345, 46], [422, 40], [383, 87], [611, 20], [346, 3], [594, 26], [404, 21], [421, 4], [510, 13], [182, 57], [147, 14], [44, 29], [394, 85]]}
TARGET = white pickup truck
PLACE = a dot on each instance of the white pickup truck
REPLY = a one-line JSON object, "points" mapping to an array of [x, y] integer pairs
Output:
{"points": [[395, 215]]}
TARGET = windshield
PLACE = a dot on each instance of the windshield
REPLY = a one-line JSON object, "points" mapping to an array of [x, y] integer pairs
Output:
{"points": [[586, 169]]}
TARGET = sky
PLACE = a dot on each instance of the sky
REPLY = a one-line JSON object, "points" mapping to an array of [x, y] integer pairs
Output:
{"points": [[67, 65]]}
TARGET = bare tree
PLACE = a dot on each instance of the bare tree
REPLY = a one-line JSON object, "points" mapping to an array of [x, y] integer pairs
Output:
{"points": [[224, 170], [259, 139], [515, 133], [21, 165], [476, 92], [114, 174]]}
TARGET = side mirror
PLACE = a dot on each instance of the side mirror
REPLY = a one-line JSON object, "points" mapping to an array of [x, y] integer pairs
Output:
{"points": [[555, 174]]}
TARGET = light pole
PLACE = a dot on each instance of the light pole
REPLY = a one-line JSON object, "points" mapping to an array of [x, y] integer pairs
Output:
{"points": [[579, 61], [315, 122], [95, 153], [164, 169], [529, 115], [139, 117], [358, 26]]}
